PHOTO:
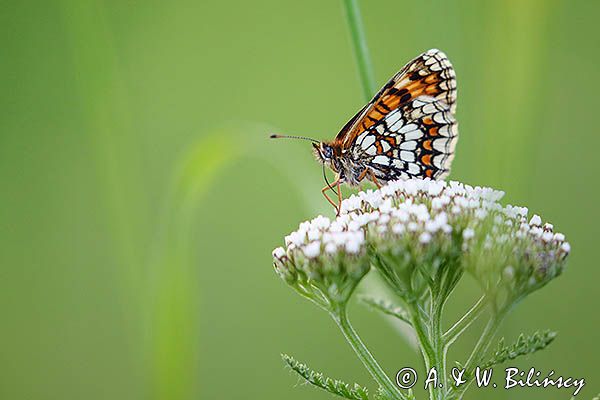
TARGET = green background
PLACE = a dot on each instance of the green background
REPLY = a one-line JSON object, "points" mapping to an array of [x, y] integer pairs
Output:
{"points": [[140, 198]]}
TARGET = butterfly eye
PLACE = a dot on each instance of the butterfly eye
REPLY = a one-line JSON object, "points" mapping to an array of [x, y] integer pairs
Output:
{"points": [[327, 151]]}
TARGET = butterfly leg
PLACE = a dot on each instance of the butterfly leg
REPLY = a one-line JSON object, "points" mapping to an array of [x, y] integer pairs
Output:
{"points": [[324, 191], [339, 193], [374, 179], [363, 174]]}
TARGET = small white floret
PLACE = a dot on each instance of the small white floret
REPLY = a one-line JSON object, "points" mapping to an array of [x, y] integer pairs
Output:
{"points": [[535, 220], [353, 246], [425, 237], [330, 248], [398, 228], [313, 234], [312, 249], [547, 236], [279, 252]]}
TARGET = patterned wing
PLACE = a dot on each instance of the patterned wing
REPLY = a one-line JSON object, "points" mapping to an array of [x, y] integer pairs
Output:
{"points": [[430, 74], [414, 140], [408, 129]]}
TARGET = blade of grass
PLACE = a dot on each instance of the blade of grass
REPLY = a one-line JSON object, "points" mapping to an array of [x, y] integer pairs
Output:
{"points": [[173, 319], [361, 49], [106, 121]]}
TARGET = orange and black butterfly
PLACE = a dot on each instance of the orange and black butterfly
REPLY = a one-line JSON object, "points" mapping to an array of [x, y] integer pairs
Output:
{"points": [[407, 130]]}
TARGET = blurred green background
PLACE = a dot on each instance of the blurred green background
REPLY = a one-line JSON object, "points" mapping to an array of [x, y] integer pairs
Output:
{"points": [[141, 199]]}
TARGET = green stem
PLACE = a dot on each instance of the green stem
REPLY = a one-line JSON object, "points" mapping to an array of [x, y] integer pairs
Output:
{"points": [[479, 351], [341, 318], [361, 49], [461, 325], [439, 349], [422, 335], [427, 341], [484, 340]]}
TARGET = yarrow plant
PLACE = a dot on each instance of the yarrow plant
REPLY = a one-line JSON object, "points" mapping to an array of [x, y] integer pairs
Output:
{"points": [[421, 237]]}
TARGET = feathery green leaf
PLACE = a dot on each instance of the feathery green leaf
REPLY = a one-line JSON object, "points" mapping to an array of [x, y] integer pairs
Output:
{"points": [[387, 308], [334, 386], [522, 346]]}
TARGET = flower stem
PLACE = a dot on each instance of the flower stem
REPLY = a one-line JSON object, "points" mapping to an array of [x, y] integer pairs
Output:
{"points": [[482, 346], [361, 49], [341, 318], [461, 325], [422, 336], [430, 333], [484, 340], [439, 349]]}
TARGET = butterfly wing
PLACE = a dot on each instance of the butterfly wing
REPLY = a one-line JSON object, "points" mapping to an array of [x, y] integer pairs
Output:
{"points": [[415, 140], [408, 129]]}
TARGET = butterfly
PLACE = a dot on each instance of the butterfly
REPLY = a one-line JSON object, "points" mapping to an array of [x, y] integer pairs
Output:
{"points": [[407, 130]]}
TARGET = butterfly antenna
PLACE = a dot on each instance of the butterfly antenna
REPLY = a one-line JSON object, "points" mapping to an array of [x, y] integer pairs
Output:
{"points": [[274, 136]]}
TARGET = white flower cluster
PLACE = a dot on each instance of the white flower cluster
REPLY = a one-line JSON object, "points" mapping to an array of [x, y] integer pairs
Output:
{"points": [[315, 248], [323, 234], [417, 213]]}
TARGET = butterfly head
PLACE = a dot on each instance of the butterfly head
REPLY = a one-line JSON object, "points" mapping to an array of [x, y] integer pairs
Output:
{"points": [[326, 154], [323, 152]]}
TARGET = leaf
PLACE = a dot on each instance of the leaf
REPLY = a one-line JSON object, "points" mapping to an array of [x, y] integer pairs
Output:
{"points": [[523, 345], [387, 308], [334, 386]]}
